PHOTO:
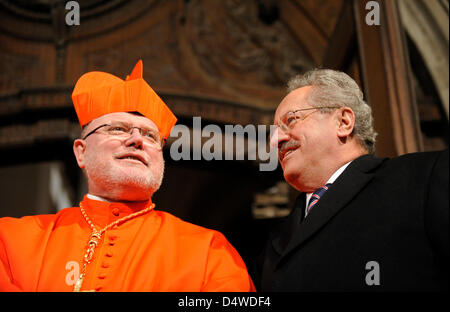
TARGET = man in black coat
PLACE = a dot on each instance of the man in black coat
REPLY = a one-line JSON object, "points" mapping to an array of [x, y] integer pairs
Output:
{"points": [[361, 223]]}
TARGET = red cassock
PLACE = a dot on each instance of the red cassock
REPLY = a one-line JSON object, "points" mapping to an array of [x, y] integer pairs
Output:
{"points": [[152, 252]]}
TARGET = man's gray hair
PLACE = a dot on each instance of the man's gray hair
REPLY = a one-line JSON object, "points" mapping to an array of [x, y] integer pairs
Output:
{"points": [[337, 89]]}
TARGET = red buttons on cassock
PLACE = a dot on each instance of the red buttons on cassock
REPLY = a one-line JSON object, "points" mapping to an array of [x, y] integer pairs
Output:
{"points": [[112, 237], [102, 276], [116, 212], [105, 265], [109, 254]]}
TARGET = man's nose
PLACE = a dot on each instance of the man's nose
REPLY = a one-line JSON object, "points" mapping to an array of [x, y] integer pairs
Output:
{"points": [[135, 139], [277, 137]]}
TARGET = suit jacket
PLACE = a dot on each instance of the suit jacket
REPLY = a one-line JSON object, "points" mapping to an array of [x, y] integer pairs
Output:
{"points": [[383, 225]]}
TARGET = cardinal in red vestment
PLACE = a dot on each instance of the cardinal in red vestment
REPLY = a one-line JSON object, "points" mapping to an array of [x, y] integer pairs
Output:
{"points": [[117, 239]]}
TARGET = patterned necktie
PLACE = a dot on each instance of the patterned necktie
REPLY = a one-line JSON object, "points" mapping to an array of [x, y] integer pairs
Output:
{"points": [[316, 196]]}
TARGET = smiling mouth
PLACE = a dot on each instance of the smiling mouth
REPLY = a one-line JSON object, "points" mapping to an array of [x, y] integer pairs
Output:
{"points": [[134, 159], [286, 148], [285, 153]]}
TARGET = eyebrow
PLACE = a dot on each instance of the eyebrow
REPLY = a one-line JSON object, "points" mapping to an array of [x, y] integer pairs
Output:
{"points": [[149, 128]]}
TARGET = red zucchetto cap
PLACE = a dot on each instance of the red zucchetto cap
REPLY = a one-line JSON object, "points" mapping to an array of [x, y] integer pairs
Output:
{"points": [[98, 93]]}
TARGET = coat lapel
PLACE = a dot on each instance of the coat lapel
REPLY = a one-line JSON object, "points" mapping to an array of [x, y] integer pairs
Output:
{"points": [[344, 189], [280, 241]]}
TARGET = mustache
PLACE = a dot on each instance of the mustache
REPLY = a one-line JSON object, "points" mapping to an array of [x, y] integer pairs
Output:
{"points": [[288, 145]]}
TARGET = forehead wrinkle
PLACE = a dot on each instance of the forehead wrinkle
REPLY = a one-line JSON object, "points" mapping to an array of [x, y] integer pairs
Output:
{"points": [[131, 119]]}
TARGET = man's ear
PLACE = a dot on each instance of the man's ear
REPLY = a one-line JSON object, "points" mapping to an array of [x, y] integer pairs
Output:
{"points": [[345, 122], [79, 147]]}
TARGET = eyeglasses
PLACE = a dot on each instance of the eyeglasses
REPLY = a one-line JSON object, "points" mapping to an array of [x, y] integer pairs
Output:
{"points": [[124, 130], [287, 122]]}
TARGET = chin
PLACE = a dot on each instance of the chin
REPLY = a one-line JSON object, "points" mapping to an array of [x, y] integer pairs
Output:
{"points": [[289, 168], [290, 177], [129, 188], [134, 191], [145, 184], [131, 183], [293, 177]]}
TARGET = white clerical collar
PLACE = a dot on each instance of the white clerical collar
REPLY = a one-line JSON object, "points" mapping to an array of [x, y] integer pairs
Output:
{"points": [[94, 197], [333, 178]]}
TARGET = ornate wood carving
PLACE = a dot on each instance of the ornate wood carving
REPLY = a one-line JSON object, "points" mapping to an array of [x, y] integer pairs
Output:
{"points": [[20, 135], [17, 71]]}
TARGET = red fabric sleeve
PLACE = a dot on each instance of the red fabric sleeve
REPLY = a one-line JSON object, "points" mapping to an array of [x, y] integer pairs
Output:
{"points": [[226, 271], [6, 283]]}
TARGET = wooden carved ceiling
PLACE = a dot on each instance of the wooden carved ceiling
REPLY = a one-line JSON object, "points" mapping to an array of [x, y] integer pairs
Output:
{"points": [[225, 60]]}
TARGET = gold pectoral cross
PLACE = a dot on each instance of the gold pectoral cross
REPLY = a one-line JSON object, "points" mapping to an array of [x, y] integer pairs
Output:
{"points": [[78, 283], [92, 244]]}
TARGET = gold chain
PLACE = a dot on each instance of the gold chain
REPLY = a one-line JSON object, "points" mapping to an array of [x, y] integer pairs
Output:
{"points": [[97, 235]]}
